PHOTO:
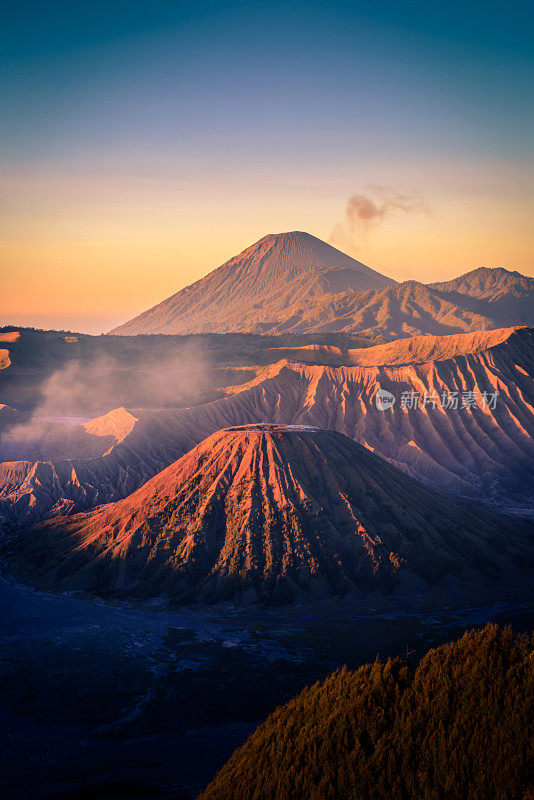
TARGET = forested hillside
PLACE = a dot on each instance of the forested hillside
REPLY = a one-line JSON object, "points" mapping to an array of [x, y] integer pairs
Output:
{"points": [[460, 725]]}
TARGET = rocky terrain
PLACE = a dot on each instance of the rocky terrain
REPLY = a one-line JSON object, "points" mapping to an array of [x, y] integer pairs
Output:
{"points": [[273, 513], [294, 282], [37, 439], [484, 452]]}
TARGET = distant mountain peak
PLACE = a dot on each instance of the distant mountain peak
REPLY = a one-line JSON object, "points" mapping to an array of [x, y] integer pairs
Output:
{"points": [[259, 288], [491, 271], [289, 236], [294, 282], [293, 252], [487, 274], [293, 238], [305, 243], [494, 284]]}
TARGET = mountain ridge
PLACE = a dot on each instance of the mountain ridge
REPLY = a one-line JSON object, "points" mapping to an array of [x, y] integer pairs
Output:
{"points": [[295, 282], [483, 282], [480, 454]]}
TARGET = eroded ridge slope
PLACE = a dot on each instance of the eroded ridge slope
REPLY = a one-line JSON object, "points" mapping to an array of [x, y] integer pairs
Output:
{"points": [[485, 452], [272, 512]]}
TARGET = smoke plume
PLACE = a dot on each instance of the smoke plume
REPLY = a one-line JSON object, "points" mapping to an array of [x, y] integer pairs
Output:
{"points": [[364, 212]]}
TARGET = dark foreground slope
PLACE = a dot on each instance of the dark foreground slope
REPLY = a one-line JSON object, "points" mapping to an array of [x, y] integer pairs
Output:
{"points": [[459, 726], [274, 513]]}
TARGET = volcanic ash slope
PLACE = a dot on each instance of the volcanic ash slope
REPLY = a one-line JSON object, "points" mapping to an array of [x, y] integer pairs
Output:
{"points": [[266, 287], [484, 454], [275, 513]]}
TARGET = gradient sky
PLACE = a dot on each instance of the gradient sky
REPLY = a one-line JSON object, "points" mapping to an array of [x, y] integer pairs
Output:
{"points": [[145, 142]]}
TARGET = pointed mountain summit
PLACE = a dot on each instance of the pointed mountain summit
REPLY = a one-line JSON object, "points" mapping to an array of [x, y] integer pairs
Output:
{"points": [[262, 289], [295, 283], [272, 512]]}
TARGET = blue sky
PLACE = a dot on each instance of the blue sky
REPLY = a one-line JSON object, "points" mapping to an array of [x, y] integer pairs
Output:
{"points": [[447, 77]]}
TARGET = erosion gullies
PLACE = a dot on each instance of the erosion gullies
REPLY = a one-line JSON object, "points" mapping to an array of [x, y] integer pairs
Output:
{"points": [[483, 453], [273, 513], [295, 283], [33, 490]]}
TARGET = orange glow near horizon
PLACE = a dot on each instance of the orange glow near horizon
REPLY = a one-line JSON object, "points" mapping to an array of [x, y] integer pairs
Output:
{"points": [[144, 144], [72, 260]]}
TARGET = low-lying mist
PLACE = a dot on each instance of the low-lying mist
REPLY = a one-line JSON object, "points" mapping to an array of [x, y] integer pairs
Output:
{"points": [[89, 388], [86, 388]]}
